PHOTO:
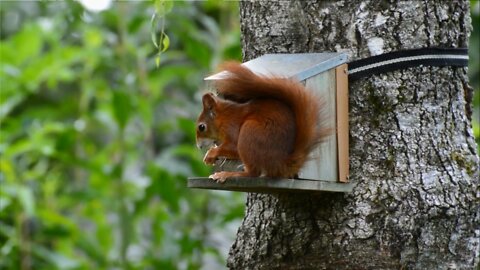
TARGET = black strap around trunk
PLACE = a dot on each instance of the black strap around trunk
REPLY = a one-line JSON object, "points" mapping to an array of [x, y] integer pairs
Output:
{"points": [[457, 57]]}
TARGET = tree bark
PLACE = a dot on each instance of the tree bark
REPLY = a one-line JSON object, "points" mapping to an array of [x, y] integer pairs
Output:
{"points": [[412, 153]]}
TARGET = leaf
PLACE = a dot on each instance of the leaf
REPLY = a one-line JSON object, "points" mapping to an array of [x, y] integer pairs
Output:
{"points": [[165, 42], [27, 43], [188, 127], [135, 24], [122, 105], [162, 7], [157, 60], [163, 184], [153, 29]]}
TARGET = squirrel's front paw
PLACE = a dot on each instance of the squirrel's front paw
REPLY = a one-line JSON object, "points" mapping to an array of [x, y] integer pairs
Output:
{"points": [[209, 160]]}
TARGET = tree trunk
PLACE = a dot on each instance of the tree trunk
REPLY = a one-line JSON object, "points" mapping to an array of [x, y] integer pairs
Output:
{"points": [[412, 154]]}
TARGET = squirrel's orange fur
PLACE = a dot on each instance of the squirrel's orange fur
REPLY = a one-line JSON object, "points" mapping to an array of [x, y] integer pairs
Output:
{"points": [[271, 124]]}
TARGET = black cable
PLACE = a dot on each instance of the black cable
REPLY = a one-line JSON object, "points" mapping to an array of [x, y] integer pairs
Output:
{"points": [[408, 58]]}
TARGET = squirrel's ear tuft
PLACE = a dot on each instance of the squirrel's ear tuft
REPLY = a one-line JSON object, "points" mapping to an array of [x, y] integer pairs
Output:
{"points": [[209, 104], [209, 101]]}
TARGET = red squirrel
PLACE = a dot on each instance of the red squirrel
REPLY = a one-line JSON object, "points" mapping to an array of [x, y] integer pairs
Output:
{"points": [[271, 124]]}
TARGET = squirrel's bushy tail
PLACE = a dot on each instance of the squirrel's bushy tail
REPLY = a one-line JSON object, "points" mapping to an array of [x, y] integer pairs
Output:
{"points": [[242, 85]]}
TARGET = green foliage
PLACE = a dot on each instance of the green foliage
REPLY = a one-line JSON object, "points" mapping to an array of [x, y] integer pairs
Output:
{"points": [[96, 142]]}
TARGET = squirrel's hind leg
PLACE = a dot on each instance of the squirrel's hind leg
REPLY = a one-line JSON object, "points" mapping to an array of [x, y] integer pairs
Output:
{"points": [[221, 177]]}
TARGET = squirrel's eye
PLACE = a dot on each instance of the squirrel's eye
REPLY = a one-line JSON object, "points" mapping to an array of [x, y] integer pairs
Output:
{"points": [[201, 127]]}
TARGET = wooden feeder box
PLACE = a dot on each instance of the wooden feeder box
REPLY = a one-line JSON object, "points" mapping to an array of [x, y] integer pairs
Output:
{"points": [[328, 169]]}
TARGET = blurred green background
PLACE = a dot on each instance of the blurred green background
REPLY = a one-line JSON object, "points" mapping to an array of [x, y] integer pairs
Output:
{"points": [[96, 142]]}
